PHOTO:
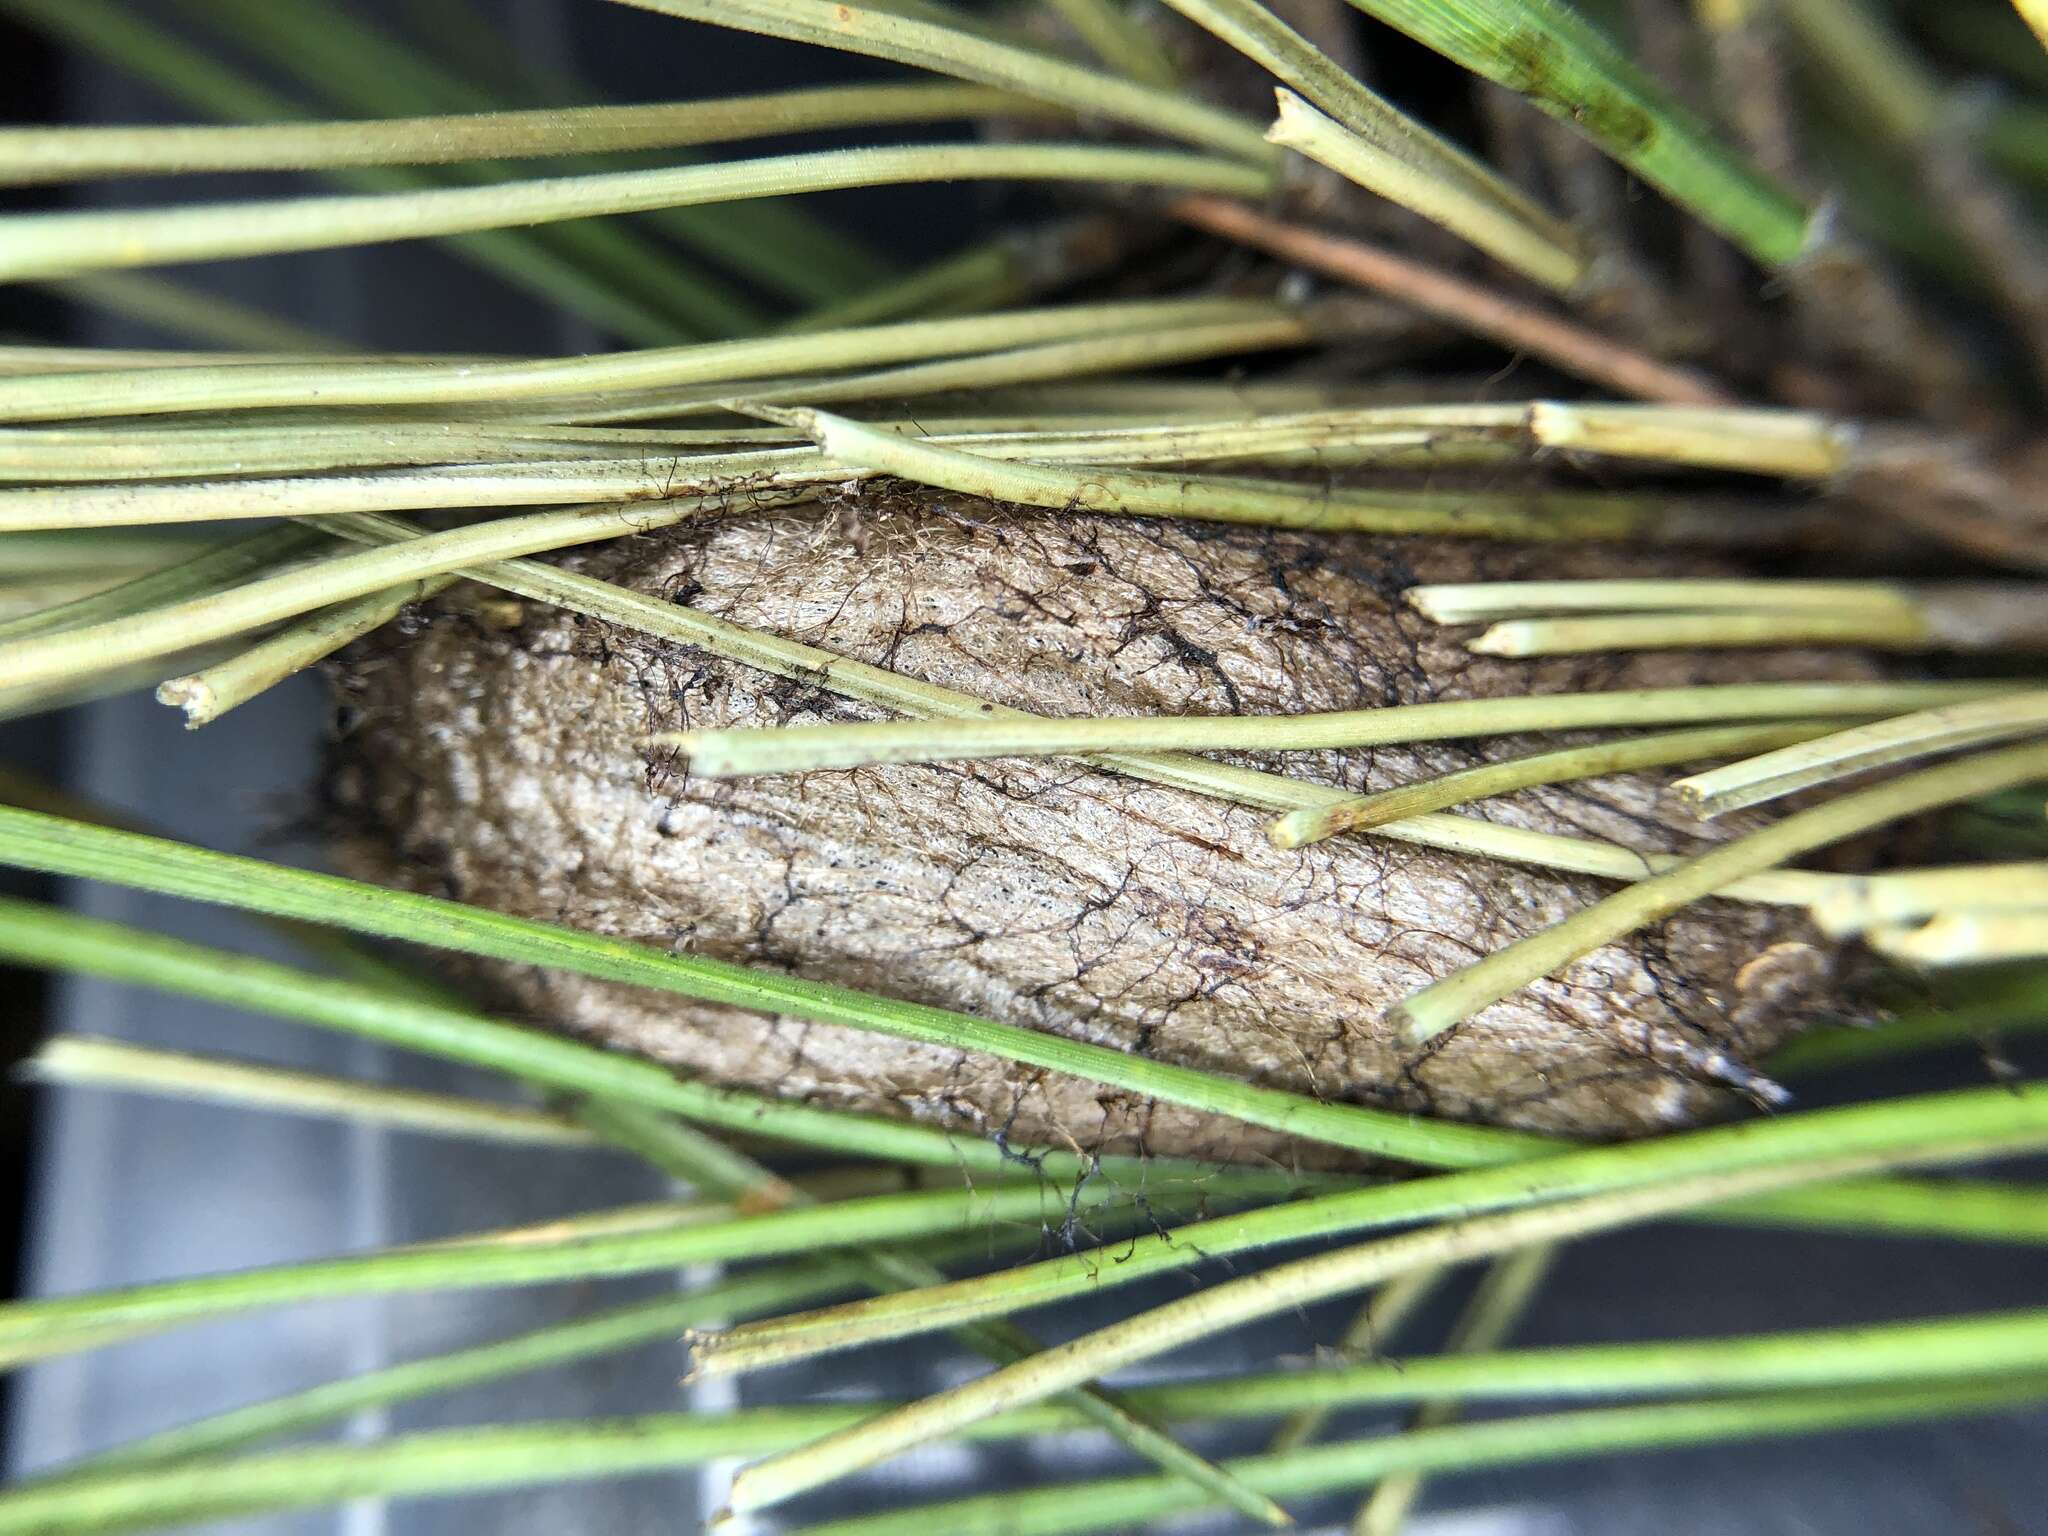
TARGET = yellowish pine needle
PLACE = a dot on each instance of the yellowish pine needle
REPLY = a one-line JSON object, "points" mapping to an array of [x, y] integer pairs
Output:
{"points": [[2035, 14], [1882, 743], [1389, 163], [1857, 903], [208, 694], [735, 753], [1299, 828], [1966, 938], [91, 1062], [1872, 627], [1482, 601], [35, 155], [1233, 1303], [1371, 1331], [60, 244], [1798, 445], [1503, 1296], [1459, 996]]}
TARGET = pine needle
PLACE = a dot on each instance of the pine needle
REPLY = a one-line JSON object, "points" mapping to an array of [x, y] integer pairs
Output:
{"points": [[213, 566], [59, 244], [1504, 1293], [1659, 615], [1450, 1001], [1966, 938], [713, 1168], [39, 1329], [46, 936], [208, 694], [89, 650], [795, 749], [194, 78], [1880, 744], [1368, 140], [329, 384], [37, 155], [1122, 1504], [2035, 14], [91, 1062], [2005, 1213], [1901, 896], [1233, 1303], [584, 1338], [1369, 1336], [441, 1462], [1300, 828], [956, 51], [618, 443], [1119, 40], [189, 314], [1569, 69], [1484, 212], [417, 919], [1537, 515], [1799, 445], [1482, 601], [1722, 630]]}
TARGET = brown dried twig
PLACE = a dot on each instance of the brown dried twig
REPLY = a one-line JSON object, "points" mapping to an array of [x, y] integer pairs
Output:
{"points": [[1518, 326]]}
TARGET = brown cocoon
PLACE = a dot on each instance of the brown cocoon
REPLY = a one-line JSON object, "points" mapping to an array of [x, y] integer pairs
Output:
{"points": [[501, 767]]}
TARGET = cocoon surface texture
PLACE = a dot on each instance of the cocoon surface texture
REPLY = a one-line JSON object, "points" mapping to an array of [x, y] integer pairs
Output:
{"points": [[503, 767]]}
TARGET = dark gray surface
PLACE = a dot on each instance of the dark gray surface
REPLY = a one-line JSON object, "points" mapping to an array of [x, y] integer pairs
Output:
{"points": [[133, 1188]]}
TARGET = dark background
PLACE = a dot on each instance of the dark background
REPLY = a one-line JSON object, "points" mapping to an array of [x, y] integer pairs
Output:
{"points": [[29, 79], [1982, 1476]]}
